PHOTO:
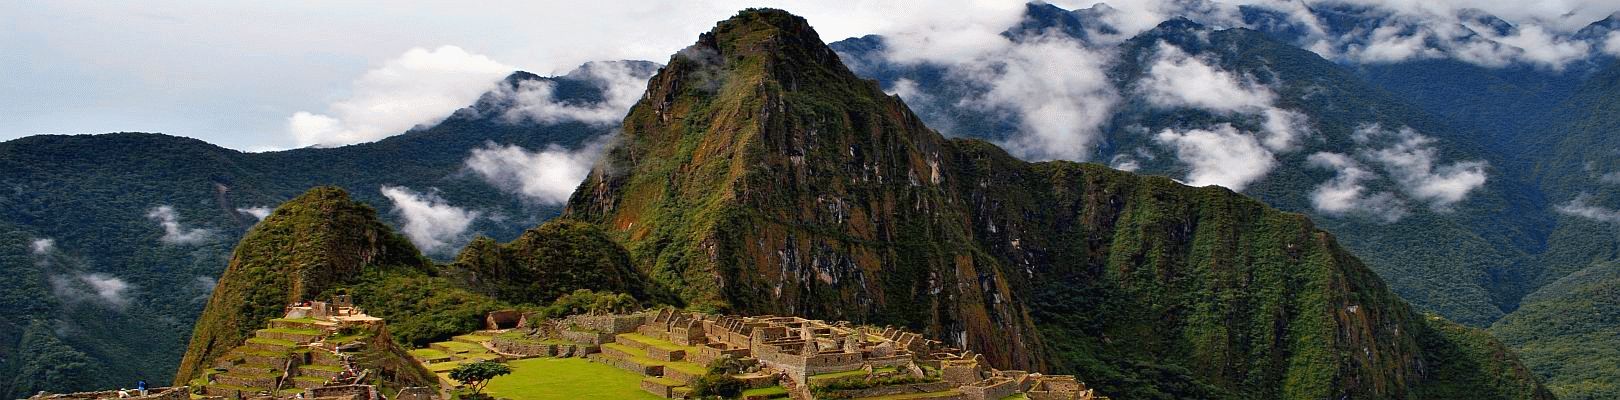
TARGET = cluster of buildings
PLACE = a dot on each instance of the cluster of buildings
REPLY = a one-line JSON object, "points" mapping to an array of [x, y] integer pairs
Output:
{"points": [[804, 358], [301, 356]]}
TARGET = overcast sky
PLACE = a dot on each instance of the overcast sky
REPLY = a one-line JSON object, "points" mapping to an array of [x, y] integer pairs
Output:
{"points": [[236, 73]]}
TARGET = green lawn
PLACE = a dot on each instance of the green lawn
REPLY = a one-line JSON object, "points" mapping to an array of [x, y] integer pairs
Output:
{"points": [[567, 378], [769, 392]]}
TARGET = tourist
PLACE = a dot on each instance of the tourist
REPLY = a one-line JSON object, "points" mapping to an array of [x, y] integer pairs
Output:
{"points": [[123, 393], [141, 386]]}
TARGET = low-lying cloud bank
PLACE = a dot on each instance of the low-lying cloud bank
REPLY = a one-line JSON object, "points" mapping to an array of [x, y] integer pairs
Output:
{"points": [[420, 86], [536, 101], [175, 233], [98, 288], [431, 223], [1581, 206], [546, 177]]}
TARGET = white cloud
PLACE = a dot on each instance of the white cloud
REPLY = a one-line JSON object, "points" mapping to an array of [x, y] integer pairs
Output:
{"points": [[1411, 159], [1611, 44], [259, 212], [1582, 207], [1391, 43], [1346, 193], [1406, 30], [1177, 79], [173, 231], [548, 177], [97, 287], [1612, 177], [430, 222], [42, 247], [1125, 163], [421, 86], [1055, 86], [536, 101], [1220, 156], [206, 283]]}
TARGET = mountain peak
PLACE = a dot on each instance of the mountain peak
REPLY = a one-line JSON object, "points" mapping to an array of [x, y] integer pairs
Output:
{"points": [[310, 245]]}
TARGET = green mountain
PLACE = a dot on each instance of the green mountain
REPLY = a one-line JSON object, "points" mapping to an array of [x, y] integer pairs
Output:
{"points": [[1474, 279], [324, 243], [309, 247], [759, 175], [1568, 328], [549, 261], [93, 198]]}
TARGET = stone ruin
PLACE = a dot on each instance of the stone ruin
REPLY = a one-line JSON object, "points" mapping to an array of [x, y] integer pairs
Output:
{"points": [[296, 356], [808, 358]]}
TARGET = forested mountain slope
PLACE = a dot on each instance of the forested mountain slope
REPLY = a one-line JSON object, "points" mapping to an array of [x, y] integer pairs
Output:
{"points": [[759, 175]]}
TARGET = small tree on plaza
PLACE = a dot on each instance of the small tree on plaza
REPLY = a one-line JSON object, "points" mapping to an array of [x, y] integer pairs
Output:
{"points": [[477, 375]]}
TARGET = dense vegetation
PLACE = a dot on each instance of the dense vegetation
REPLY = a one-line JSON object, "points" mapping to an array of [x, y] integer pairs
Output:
{"points": [[1569, 329], [546, 262]]}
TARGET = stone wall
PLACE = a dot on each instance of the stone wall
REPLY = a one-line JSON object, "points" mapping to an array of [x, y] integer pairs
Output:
{"points": [[990, 389], [356, 392], [611, 324], [832, 362], [893, 390], [529, 348], [591, 337], [163, 393]]}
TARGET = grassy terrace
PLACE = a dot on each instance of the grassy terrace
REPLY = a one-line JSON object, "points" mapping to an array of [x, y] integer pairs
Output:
{"points": [[639, 356], [524, 338], [428, 354], [911, 396], [768, 392], [473, 337], [567, 378], [659, 343], [443, 366], [323, 367], [1016, 396], [294, 331], [459, 347], [269, 341]]}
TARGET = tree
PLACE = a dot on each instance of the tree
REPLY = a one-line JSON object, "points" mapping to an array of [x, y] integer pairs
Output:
{"points": [[477, 375]]}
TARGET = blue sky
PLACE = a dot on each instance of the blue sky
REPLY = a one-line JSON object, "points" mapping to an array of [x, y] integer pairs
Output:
{"points": [[236, 73]]}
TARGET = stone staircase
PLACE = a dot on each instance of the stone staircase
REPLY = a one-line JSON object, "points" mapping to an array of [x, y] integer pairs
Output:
{"points": [[441, 357], [667, 371]]}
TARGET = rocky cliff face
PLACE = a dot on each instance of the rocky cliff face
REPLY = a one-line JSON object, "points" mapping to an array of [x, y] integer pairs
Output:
{"points": [[758, 175]]}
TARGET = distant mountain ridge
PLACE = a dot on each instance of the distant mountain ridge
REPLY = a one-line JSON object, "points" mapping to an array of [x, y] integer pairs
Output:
{"points": [[90, 196]]}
